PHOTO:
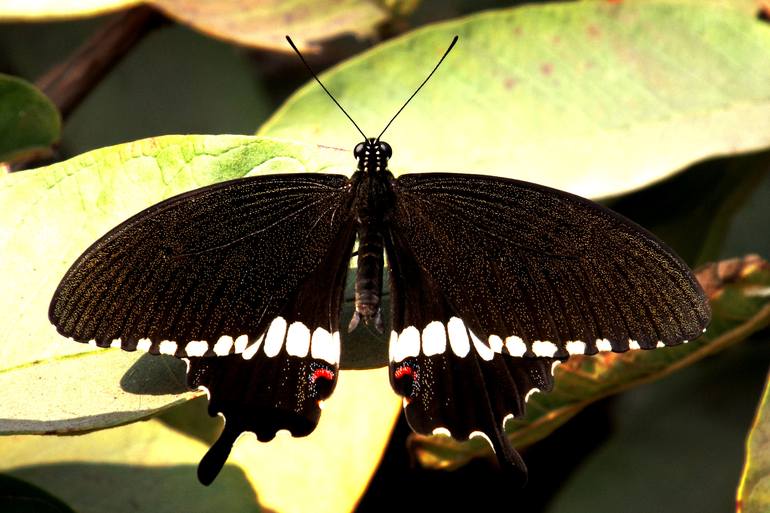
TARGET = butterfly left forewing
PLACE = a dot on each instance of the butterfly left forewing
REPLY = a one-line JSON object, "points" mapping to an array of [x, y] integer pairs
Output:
{"points": [[204, 272], [244, 279]]}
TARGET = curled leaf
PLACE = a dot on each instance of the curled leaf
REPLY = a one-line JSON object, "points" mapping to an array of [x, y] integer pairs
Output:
{"points": [[739, 291]]}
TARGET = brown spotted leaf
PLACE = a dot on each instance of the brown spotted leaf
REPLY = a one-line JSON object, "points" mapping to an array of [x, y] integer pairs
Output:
{"points": [[260, 24]]}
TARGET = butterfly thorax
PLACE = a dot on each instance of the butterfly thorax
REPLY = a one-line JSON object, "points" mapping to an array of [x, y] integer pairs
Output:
{"points": [[373, 203]]}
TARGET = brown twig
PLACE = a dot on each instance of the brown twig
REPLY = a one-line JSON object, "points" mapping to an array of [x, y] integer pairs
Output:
{"points": [[69, 83]]}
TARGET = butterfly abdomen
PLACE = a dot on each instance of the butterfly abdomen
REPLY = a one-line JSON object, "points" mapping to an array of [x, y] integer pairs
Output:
{"points": [[373, 204]]}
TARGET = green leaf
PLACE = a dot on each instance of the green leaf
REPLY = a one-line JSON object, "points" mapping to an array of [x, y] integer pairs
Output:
{"points": [[597, 98], [16, 496], [739, 291], [50, 216], [754, 490], [750, 7], [29, 122], [141, 467], [149, 466], [44, 10]]}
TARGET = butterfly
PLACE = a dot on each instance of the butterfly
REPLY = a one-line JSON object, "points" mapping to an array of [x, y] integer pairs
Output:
{"points": [[493, 281]]}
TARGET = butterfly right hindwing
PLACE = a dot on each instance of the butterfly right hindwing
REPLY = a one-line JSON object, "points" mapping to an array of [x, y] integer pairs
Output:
{"points": [[452, 383]]}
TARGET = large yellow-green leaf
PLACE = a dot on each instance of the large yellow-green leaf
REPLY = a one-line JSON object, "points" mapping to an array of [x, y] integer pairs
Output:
{"points": [[739, 291], [754, 490], [29, 122], [16, 496], [597, 98], [50, 216], [148, 466], [52, 385], [748, 6], [258, 24]]}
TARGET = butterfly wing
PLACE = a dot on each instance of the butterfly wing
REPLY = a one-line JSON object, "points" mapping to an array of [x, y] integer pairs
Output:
{"points": [[513, 269], [280, 381], [203, 273], [245, 278], [452, 383]]}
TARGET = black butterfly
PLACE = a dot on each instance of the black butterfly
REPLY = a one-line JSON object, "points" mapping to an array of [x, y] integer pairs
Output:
{"points": [[493, 281]]}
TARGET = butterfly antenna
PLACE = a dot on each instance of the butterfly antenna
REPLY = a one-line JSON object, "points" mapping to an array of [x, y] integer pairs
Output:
{"points": [[451, 45], [324, 87]]}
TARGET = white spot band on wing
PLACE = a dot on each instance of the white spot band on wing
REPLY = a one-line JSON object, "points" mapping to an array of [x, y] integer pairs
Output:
{"points": [[224, 345], [603, 344], [483, 350], [240, 343], [406, 344], [144, 344], [167, 347], [458, 337], [325, 346], [434, 339], [576, 347], [496, 343], [515, 346], [196, 348], [250, 351], [275, 336], [298, 340], [543, 348]]}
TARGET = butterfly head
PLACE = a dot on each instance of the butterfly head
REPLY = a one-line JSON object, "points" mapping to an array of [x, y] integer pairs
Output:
{"points": [[373, 155]]}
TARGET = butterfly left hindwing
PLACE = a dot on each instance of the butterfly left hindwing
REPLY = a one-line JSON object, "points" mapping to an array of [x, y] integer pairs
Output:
{"points": [[281, 381]]}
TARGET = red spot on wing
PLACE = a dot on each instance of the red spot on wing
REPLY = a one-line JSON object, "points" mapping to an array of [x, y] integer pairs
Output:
{"points": [[323, 373], [402, 371], [508, 83], [593, 31], [546, 68]]}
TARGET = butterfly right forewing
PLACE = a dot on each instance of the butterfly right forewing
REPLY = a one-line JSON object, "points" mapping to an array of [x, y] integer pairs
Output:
{"points": [[545, 272]]}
